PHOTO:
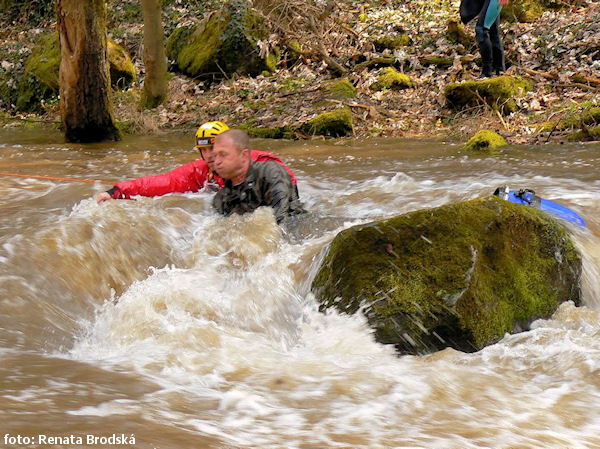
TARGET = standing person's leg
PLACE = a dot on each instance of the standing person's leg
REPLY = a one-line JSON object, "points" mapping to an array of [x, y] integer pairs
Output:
{"points": [[483, 39], [497, 48], [488, 36]]}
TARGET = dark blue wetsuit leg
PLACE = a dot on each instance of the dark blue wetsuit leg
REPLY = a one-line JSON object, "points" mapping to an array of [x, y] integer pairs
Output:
{"points": [[488, 37]]}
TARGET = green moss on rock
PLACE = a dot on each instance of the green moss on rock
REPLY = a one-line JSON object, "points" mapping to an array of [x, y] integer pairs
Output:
{"points": [[122, 70], [391, 42], [529, 11], [390, 78], [336, 123], [456, 34], [460, 275], [341, 89], [525, 11], [498, 92], [223, 44], [485, 141], [40, 78]]}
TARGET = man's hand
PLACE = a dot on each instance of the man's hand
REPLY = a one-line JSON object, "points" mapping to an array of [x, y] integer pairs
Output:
{"points": [[102, 196], [503, 2]]}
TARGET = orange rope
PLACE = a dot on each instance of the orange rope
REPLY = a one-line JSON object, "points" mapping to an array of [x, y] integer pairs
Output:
{"points": [[56, 178]]}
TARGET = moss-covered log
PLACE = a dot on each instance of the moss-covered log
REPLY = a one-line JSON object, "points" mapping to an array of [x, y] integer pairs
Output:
{"points": [[459, 276], [375, 63], [441, 62]]}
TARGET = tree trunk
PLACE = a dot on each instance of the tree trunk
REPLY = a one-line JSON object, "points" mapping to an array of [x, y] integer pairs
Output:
{"points": [[155, 60], [85, 104]]}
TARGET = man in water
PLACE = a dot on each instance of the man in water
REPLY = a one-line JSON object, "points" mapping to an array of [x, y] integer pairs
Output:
{"points": [[250, 184], [197, 175]]}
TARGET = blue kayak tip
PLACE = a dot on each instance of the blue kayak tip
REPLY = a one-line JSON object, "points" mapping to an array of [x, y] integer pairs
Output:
{"points": [[528, 197]]}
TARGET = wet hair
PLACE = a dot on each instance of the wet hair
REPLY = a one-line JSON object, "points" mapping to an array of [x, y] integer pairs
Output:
{"points": [[238, 138]]}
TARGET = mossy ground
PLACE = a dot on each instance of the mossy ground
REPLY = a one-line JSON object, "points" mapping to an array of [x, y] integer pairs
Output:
{"points": [[460, 275]]}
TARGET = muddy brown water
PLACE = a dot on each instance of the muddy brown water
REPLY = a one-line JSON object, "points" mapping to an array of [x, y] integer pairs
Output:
{"points": [[158, 324]]}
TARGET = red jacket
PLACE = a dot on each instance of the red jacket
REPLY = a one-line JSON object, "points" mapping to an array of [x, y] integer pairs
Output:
{"points": [[190, 177]]}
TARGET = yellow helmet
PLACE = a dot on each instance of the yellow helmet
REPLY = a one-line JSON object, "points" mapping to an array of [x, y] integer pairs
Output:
{"points": [[205, 136]]}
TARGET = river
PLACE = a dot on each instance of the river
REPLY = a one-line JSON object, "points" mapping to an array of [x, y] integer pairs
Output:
{"points": [[160, 323]]}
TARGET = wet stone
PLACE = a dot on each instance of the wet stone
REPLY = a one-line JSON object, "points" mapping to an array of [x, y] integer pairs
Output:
{"points": [[461, 275]]}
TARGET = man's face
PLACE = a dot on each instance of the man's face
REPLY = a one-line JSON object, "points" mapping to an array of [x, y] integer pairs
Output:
{"points": [[208, 154], [228, 161]]}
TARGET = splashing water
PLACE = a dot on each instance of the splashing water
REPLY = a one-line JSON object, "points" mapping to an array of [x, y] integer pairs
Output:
{"points": [[158, 318]]}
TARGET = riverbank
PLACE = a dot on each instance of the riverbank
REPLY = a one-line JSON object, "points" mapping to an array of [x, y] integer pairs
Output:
{"points": [[558, 52]]}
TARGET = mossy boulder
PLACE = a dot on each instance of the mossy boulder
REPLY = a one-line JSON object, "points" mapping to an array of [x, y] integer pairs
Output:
{"points": [[122, 70], [391, 42], [460, 275], [40, 77], [390, 78], [336, 123], [224, 43], [525, 11], [485, 141], [340, 89], [498, 92]]}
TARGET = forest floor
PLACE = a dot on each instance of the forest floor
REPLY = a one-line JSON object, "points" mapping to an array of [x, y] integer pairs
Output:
{"points": [[559, 52]]}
